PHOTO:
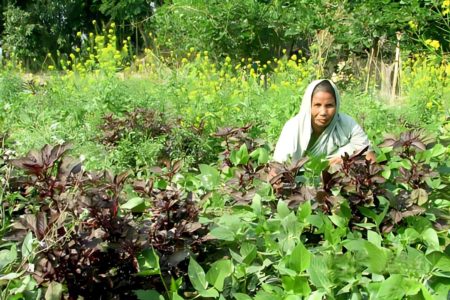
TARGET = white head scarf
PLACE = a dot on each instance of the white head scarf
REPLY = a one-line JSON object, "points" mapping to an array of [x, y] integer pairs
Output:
{"points": [[343, 134]]}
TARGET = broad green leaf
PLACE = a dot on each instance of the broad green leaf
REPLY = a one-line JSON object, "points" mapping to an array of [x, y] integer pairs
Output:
{"points": [[419, 196], [430, 238], [297, 285], [374, 238], [386, 173], [148, 262], [317, 295], [54, 291], [209, 176], [338, 220], [300, 258], [7, 257], [197, 275], [263, 295], [377, 258], [411, 286], [263, 157], [304, 211], [411, 234], [391, 288], [426, 294], [240, 296], [209, 293], [10, 276], [175, 296], [438, 150], [240, 157], [319, 272], [291, 225], [175, 284], [248, 252], [136, 204], [443, 264], [282, 209], [261, 154], [27, 245], [256, 204], [218, 272], [148, 295], [223, 233]]}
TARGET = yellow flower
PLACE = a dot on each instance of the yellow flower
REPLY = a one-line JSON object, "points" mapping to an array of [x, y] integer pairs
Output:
{"points": [[429, 104], [445, 7], [433, 44], [412, 25], [78, 34]]}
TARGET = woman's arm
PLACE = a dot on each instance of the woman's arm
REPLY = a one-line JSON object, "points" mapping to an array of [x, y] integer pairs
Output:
{"points": [[358, 140]]}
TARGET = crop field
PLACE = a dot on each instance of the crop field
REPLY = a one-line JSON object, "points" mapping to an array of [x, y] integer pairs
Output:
{"points": [[148, 177]]}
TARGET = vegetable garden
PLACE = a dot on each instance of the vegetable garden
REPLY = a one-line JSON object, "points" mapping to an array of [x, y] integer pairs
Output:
{"points": [[148, 178]]}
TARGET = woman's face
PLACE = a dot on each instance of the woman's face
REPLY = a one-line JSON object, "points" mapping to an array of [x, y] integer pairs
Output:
{"points": [[323, 108]]}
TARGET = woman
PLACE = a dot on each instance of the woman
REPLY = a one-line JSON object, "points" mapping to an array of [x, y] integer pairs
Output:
{"points": [[319, 128]]}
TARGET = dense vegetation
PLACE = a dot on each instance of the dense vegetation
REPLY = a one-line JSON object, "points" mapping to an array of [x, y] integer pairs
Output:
{"points": [[260, 29], [136, 166]]}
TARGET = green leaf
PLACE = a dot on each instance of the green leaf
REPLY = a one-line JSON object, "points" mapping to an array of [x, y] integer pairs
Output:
{"points": [[209, 176], [319, 272], [377, 258], [282, 209], [374, 238], [317, 295], [148, 262], [218, 272], [297, 285], [304, 211], [430, 238], [10, 276], [27, 245], [256, 204], [197, 275], [438, 150], [248, 252], [148, 295], [209, 293], [263, 157], [223, 233], [391, 288], [54, 291], [7, 257], [136, 204], [300, 258], [419, 196], [411, 286], [175, 284], [240, 296], [386, 172], [240, 157], [175, 296], [261, 154]]}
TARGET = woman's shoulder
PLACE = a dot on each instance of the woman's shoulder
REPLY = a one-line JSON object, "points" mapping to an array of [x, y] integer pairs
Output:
{"points": [[292, 121]]}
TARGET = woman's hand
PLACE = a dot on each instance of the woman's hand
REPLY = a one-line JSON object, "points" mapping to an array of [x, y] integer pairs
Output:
{"points": [[370, 155], [337, 160]]}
